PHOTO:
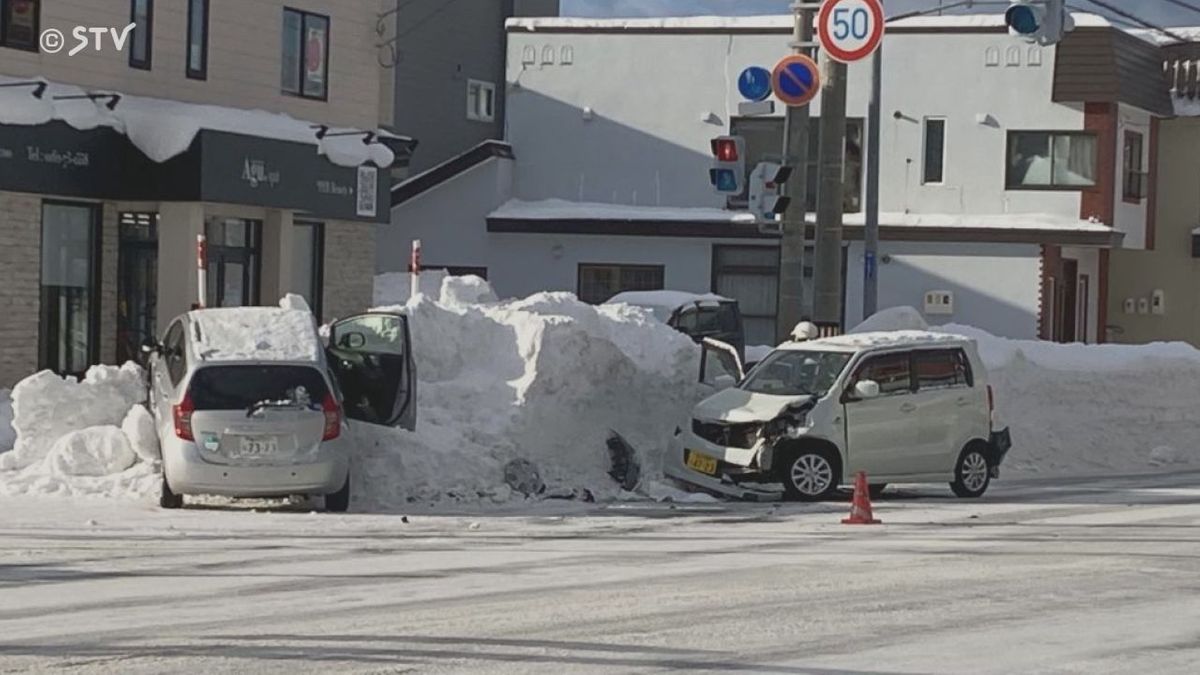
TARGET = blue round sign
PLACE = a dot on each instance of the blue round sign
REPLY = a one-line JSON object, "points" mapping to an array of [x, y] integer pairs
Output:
{"points": [[754, 83]]}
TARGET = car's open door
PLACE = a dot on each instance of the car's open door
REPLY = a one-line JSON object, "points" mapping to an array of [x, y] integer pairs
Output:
{"points": [[371, 356], [720, 365]]}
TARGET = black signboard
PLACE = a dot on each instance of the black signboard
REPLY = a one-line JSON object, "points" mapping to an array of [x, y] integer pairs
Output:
{"points": [[222, 167]]}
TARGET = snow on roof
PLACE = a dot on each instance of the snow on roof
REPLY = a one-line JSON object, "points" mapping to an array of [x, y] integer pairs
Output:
{"points": [[998, 221], [163, 128], [1186, 107], [858, 341], [1191, 33], [663, 303], [718, 24], [254, 334], [560, 209]]}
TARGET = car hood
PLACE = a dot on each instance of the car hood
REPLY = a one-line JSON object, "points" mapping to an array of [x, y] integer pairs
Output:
{"points": [[738, 405]]}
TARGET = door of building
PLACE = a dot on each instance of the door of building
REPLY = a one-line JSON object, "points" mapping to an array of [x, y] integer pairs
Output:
{"points": [[1067, 306], [137, 283], [233, 262]]}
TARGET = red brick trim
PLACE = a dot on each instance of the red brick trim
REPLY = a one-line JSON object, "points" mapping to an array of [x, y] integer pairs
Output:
{"points": [[1100, 201], [1152, 191]]}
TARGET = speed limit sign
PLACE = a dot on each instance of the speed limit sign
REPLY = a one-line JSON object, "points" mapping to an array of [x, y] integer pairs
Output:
{"points": [[850, 29]]}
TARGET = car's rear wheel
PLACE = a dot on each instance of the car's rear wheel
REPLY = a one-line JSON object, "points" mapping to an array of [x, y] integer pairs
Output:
{"points": [[809, 475], [338, 502], [167, 499], [971, 474]]}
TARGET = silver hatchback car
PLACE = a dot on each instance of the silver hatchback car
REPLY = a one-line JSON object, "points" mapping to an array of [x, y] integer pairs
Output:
{"points": [[248, 401]]}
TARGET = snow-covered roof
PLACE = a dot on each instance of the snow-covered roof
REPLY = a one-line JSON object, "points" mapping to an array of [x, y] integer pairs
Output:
{"points": [[1190, 33], [254, 334], [998, 221], [860, 341], [719, 24], [163, 128], [560, 209]]}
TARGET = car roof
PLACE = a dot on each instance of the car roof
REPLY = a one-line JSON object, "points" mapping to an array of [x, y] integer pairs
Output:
{"points": [[860, 342], [253, 335]]}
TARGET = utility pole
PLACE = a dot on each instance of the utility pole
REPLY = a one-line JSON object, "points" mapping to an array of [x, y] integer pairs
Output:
{"points": [[795, 153], [871, 226], [827, 266]]}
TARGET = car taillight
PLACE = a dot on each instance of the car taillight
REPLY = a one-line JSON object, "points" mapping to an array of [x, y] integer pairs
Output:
{"points": [[183, 417], [333, 418]]}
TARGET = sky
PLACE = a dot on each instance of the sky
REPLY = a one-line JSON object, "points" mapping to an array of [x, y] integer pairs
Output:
{"points": [[1160, 12]]}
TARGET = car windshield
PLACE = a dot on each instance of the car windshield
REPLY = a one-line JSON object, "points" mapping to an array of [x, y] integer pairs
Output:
{"points": [[241, 387], [789, 372]]}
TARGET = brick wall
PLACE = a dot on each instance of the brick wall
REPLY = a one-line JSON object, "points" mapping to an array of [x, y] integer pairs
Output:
{"points": [[20, 260], [349, 268]]}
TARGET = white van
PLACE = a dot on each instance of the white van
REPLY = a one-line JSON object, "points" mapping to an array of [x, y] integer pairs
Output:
{"points": [[904, 407]]}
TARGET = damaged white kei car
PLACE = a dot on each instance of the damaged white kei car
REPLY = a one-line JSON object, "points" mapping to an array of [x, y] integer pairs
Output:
{"points": [[904, 407]]}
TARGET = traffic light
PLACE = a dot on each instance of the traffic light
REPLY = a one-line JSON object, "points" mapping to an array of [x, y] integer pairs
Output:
{"points": [[728, 172], [765, 182], [1042, 21]]}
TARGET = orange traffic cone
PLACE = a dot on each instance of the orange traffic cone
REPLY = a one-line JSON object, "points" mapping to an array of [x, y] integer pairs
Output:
{"points": [[860, 506]]}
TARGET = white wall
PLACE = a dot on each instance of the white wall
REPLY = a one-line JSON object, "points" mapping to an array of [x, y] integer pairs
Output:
{"points": [[658, 99], [1131, 218], [995, 286], [450, 220]]}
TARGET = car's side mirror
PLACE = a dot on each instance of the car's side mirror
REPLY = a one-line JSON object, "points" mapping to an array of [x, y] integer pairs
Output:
{"points": [[150, 346], [724, 382], [866, 389], [353, 340]]}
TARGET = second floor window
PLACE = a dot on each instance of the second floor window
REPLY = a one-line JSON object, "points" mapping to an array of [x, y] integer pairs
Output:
{"points": [[140, 43], [19, 24], [1051, 160], [934, 170], [1135, 177], [305, 54], [197, 40]]}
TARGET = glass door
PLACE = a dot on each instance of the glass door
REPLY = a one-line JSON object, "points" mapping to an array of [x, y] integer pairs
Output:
{"points": [[137, 283], [233, 262], [68, 331]]}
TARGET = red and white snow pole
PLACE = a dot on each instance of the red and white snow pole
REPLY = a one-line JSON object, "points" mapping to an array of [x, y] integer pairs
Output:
{"points": [[202, 271], [414, 269]]}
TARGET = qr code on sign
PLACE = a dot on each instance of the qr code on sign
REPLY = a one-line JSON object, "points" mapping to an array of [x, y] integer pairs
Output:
{"points": [[368, 184]]}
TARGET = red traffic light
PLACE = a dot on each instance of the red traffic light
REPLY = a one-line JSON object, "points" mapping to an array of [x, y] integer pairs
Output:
{"points": [[725, 149]]}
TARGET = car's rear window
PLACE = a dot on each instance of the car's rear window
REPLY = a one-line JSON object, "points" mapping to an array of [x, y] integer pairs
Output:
{"points": [[723, 318], [239, 387]]}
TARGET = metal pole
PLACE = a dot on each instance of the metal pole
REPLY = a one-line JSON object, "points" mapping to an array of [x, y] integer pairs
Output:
{"points": [[795, 153], [871, 226], [414, 269], [201, 271], [827, 265]]}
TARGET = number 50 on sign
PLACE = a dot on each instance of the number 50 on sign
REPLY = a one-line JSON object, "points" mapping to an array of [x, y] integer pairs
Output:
{"points": [[850, 30]]}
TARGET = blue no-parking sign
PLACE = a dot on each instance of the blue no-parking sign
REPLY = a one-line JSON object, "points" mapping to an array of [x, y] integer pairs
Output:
{"points": [[796, 80]]}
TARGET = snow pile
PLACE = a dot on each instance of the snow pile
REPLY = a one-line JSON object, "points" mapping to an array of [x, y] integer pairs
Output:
{"points": [[7, 435], [543, 379], [1075, 408], [467, 290], [394, 288], [81, 437], [254, 333], [892, 318]]}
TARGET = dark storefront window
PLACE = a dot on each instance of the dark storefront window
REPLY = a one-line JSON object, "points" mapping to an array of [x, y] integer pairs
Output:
{"points": [[233, 262], [305, 54], [197, 40], [19, 24], [137, 283], [141, 12], [598, 283], [308, 258], [69, 323], [764, 143]]}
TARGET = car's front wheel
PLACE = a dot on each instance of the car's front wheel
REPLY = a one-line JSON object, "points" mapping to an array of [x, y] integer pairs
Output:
{"points": [[338, 502], [971, 474], [809, 475]]}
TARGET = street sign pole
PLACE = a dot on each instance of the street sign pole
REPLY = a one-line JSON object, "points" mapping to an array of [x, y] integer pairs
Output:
{"points": [[795, 152], [871, 225], [827, 251]]}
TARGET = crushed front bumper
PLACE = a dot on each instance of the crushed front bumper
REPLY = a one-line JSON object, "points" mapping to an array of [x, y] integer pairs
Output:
{"points": [[721, 485]]}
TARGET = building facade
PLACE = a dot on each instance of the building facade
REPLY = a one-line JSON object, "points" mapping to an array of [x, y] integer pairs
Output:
{"points": [[1003, 175], [251, 122]]}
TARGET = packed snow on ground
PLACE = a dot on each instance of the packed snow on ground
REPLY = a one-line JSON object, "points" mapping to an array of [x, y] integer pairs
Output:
{"points": [[1075, 408], [72, 438], [543, 379]]}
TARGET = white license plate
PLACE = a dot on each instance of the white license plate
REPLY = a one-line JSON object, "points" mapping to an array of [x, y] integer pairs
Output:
{"points": [[258, 446]]}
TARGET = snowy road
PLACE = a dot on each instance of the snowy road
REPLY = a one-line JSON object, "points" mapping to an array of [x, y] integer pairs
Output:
{"points": [[1093, 576]]}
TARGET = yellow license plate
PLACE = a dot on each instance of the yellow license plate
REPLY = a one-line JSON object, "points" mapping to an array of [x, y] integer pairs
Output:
{"points": [[702, 463]]}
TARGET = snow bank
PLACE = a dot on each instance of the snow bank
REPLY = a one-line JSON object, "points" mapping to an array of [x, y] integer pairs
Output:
{"points": [[543, 379], [1076, 409], [393, 288], [95, 451], [138, 427], [467, 290]]}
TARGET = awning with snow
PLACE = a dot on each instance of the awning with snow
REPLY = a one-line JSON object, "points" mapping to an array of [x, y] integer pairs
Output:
{"points": [[72, 143]]}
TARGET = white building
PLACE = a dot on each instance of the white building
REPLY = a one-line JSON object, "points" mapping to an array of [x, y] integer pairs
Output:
{"points": [[1008, 170]]}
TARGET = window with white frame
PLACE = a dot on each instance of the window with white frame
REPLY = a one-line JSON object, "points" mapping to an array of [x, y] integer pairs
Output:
{"points": [[481, 101], [934, 170]]}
